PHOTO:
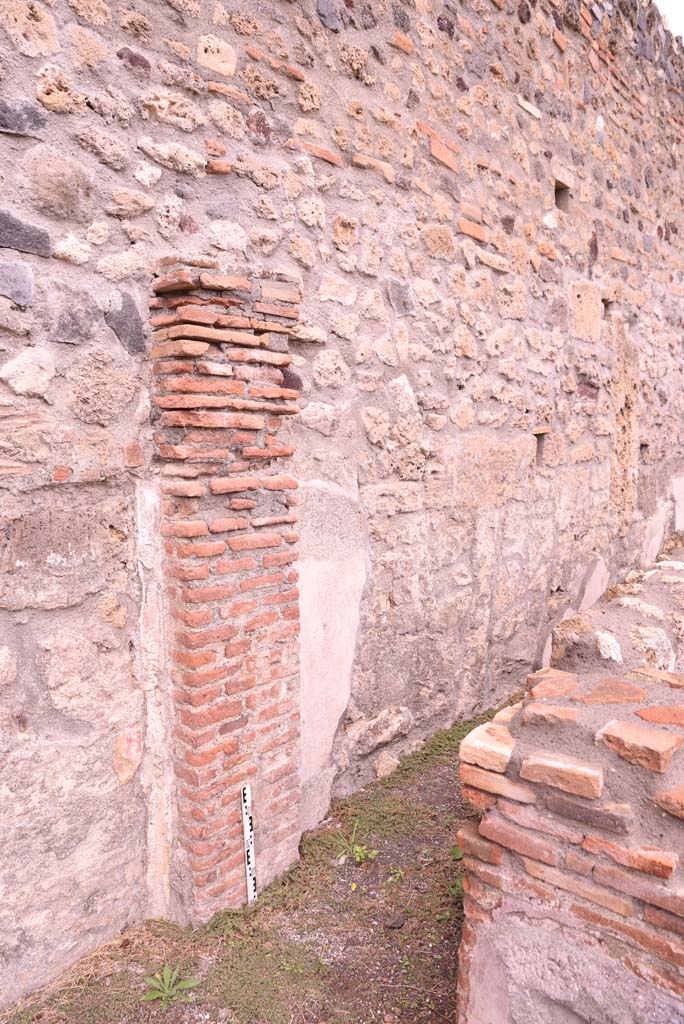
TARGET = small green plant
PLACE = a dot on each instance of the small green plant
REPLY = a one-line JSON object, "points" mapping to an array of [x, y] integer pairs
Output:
{"points": [[456, 852], [169, 987], [456, 890], [350, 848], [396, 875], [292, 967]]}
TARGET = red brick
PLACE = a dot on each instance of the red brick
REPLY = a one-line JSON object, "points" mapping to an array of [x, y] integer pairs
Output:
{"points": [[258, 582], [563, 772], [206, 637], [223, 282], [651, 748], [551, 682], [664, 947], [672, 714], [193, 617], [203, 594], [520, 840], [661, 919], [548, 714], [198, 758], [184, 488], [579, 887], [252, 541], [133, 455], [476, 798], [529, 817], [176, 281], [471, 842], [491, 782], [671, 800], [235, 565], [641, 888], [441, 152], [203, 549], [226, 524], [318, 151], [279, 558], [187, 572], [613, 691], [192, 659], [242, 421], [231, 484], [211, 715], [259, 621], [648, 860], [476, 231]]}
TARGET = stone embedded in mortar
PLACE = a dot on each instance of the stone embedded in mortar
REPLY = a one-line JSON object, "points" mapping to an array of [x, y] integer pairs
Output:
{"points": [[127, 753], [329, 17], [17, 234], [16, 283], [368, 734], [124, 319], [8, 666], [174, 156], [29, 373], [400, 297], [101, 388], [21, 119], [57, 186], [108, 150], [321, 417], [11, 318], [72, 250], [216, 55], [31, 28]]}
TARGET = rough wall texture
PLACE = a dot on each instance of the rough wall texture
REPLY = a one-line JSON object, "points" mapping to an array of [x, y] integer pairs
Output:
{"points": [[574, 893], [480, 201]]}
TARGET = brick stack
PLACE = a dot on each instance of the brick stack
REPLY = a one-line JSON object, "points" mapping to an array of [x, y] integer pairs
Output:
{"points": [[573, 870], [219, 351]]}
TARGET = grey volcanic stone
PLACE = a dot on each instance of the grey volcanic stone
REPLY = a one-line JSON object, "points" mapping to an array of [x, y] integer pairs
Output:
{"points": [[401, 297], [16, 283], [126, 322], [21, 119], [17, 234], [327, 12]]}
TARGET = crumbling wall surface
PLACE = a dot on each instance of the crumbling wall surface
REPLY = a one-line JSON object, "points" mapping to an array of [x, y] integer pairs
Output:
{"points": [[480, 205], [574, 880]]}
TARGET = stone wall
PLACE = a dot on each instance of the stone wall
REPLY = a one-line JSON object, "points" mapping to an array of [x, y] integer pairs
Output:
{"points": [[574, 894], [479, 205]]}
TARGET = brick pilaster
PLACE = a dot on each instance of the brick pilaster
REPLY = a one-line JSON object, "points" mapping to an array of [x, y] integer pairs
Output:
{"points": [[219, 351]]}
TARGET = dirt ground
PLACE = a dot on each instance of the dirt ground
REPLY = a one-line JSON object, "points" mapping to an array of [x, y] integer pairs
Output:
{"points": [[332, 942]]}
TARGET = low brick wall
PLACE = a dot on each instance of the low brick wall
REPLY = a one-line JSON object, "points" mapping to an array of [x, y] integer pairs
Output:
{"points": [[574, 886]]}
